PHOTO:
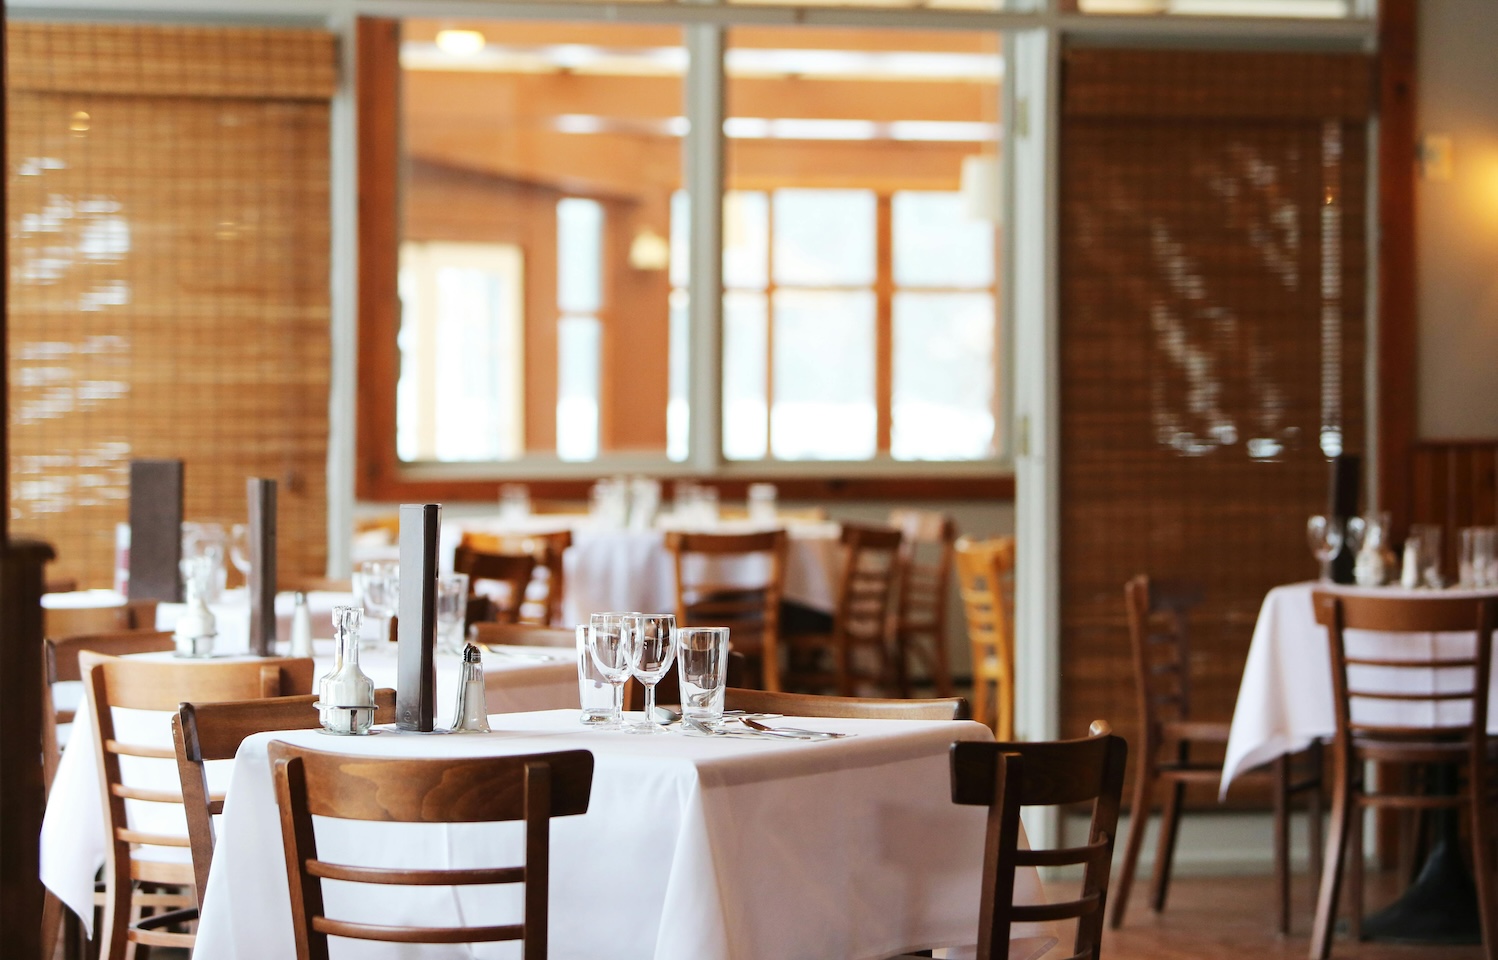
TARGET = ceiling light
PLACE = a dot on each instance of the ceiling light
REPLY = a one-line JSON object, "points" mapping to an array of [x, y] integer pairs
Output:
{"points": [[460, 43]]}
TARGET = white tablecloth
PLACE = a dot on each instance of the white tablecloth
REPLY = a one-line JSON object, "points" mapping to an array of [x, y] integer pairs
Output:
{"points": [[692, 848], [72, 841], [1285, 700]]}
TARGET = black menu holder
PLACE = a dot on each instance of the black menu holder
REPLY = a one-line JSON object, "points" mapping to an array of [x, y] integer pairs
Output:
{"points": [[261, 494], [156, 530], [416, 675], [1342, 504]]}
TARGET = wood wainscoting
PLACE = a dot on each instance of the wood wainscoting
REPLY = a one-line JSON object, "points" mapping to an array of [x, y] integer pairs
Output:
{"points": [[1454, 483]]}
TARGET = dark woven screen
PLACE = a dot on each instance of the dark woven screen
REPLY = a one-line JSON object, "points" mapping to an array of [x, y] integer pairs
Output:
{"points": [[169, 251], [1212, 342]]}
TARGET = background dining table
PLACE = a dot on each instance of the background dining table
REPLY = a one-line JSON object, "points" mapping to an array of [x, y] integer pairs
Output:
{"points": [[703, 847]]}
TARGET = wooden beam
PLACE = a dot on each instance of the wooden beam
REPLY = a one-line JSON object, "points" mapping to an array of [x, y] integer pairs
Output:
{"points": [[1397, 340]]}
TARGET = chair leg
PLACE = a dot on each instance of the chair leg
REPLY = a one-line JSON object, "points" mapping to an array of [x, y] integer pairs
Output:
{"points": [[1139, 814], [1315, 807], [1165, 851], [980, 698], [1355, 876], [1331, 871], [1482, 862], [52, 923], [1281, 767], [116, 921]]}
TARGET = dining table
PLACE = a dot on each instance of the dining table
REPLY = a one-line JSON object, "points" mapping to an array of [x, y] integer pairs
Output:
{"points": [[702, 847], [73, 832], [1286, 701]]}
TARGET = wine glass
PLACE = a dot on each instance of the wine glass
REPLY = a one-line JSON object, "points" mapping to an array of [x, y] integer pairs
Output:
{"points": [[651, 641], [381, 582], [452, 610], [239, 549], [609, 647], [1325, 535]]}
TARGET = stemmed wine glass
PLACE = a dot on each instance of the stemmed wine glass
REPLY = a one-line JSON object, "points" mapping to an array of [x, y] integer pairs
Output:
{"points": [[651, 641], [452, 610], [1325, 536], [380, 580], [239, 549], [608, 645]]}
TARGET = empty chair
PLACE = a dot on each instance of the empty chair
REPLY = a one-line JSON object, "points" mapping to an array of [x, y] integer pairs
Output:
{"points": [[159, 685], [985, 580], [856, 653], [1158, 614], [544, 593], [520, 635], [213, 731], [1411, 700], [750, 608], [74, 621], [920, 631], [533, 788], [511, 570], [869, 708], [1008, 776]]}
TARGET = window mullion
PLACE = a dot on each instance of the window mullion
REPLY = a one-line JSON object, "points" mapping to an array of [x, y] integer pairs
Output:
{"points": [[702, 168], [884, 283]]}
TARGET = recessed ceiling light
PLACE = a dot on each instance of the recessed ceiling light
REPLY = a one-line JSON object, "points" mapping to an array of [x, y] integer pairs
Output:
{"points": [[460, 43]]}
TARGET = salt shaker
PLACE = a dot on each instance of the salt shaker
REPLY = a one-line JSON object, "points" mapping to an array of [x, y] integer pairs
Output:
{"points": [[301, 628], [472, 714]]}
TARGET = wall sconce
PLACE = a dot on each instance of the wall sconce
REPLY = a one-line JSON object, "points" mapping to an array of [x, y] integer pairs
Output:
{"points": [[649, 251], [981, 196]]}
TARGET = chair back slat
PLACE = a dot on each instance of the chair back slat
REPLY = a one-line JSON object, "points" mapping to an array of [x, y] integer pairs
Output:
{"points": [[543, 595], [533, 788], [1158, 612], [512, 570], [985, 581], [1006, 777], [750, 609]]}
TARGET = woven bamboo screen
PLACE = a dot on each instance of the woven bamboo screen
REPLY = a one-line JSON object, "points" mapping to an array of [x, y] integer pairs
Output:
{"points": [[1212, 342], [169, 256]]}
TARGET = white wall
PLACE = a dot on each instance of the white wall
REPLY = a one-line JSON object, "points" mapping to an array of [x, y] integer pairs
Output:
{"points": [[1457, 225]]}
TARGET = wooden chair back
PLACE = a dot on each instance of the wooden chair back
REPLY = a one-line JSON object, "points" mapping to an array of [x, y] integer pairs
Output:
{"points": [[866, 708], [1158, 616], [921, 609], [547, 588], [60, 665], [871, 563], [521, 635], [751, 611], [513, 570], [1450, 680], [213, 731], [62, 622], [159, 685], [533, 788], [1006, 777], [985, 581], [308, 584]]}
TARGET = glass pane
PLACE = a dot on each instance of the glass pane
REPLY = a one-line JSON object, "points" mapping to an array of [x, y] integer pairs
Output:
{"points": [[678, 408], [681, 239], [578, 353], [579, 255], [745, 369], [746, 240], [938, 243], [1319, 9], [944, 361], [824, 376], [458, 397], [824, 237]]}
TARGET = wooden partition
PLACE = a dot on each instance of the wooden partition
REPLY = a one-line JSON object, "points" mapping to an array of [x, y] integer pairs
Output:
{"points": [[1212, 342], [1454, 483]]}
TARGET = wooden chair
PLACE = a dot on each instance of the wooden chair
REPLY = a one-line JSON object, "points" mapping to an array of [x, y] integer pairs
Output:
{"points": [[1008, 776], [860, 621], [920, 630], [520, 635], [1158, 615], [870, 708], [985, 581], [533, 788], [60, 661], [213, 731], [305, 584], [160, 685], [547, 587], [77, 621], [1462, 681], [513, 570], [750, 611]]}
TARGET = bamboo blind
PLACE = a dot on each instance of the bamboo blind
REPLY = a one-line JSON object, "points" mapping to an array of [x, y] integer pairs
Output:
{"points": [[169, 238], [1212, 342]]}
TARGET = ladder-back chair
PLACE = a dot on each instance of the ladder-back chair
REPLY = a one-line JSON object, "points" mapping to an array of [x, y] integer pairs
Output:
{"points": [[920, 631], [985, 580], [750, 609]]}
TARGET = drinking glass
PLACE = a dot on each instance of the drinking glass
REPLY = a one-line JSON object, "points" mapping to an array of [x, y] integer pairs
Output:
{"points": [[1325, 535], [452, 610], [381, 593], [207, 540], [650, 639], [514, 502], [598, 698], [239, 548], [608, 646], [762, 504], [1479, 565], [1428, 553], [702, 670]]}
